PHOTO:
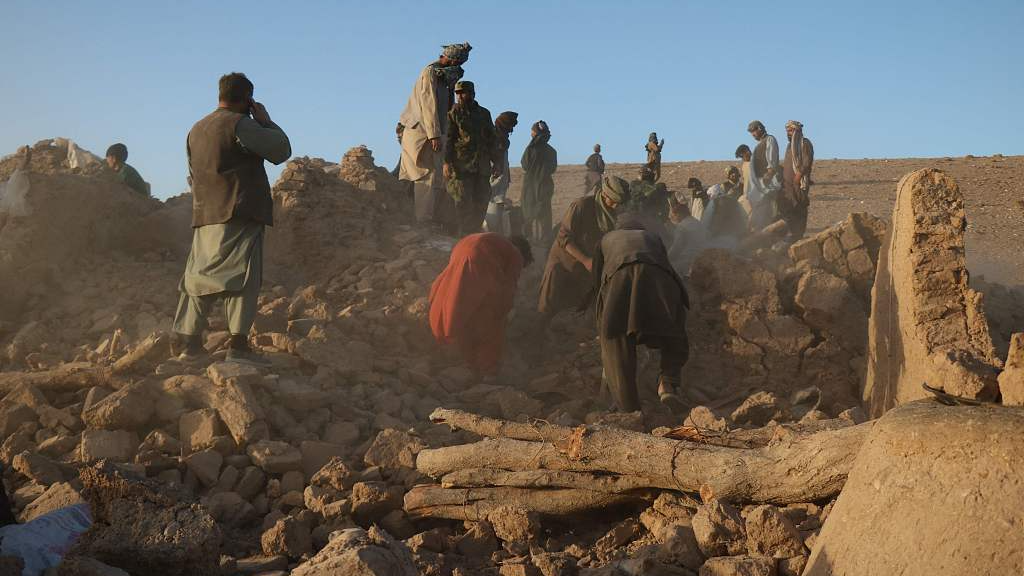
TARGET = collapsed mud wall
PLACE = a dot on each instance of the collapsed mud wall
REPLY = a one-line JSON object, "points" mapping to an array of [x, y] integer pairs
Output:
{"points": [[785, 324], [927, 325]]}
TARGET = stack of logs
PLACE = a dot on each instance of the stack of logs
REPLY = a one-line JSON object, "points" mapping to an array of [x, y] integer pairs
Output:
{"points": [[560, 471]]}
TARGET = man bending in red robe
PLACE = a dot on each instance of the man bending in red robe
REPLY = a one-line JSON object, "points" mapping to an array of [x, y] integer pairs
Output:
{"points": [[471, 298]]}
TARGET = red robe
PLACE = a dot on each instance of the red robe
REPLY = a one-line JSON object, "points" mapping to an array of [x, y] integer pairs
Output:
{"points": [[471, 298]]}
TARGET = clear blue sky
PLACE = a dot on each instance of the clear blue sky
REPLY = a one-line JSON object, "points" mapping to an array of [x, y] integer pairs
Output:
{"points": [[868, 79]]}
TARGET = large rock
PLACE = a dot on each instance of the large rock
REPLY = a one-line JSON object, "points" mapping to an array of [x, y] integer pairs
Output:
{"points": [[934, 490], [287, 537], [926, 324], [198, 429], [357, 552]]}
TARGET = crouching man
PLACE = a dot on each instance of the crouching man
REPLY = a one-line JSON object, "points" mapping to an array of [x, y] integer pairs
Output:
{"points": [[471, 298], [640, 300]]}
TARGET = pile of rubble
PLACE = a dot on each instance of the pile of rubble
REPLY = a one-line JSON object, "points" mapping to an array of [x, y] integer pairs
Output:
{"points": [[328, 462]]}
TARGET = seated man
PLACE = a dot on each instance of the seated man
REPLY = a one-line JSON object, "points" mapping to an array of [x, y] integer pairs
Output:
{"points": [[724, 217], [640, 300], [117, 154], [473, 295]]}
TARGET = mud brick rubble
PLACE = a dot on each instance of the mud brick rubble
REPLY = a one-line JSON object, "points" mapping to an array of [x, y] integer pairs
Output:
{"points": [[309, 468]]}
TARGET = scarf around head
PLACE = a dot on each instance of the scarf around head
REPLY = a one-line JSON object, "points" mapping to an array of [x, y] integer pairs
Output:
{"points": [[449, 75], [615, 189]]}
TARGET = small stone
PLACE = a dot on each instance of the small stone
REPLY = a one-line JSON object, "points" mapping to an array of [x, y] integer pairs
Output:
{"points": [[115, 445], [288, 537], [275, 457], [316, 454], [771, 533], [478, 541], [334, 474], [719, 529], [197, 429], [394, 449], [293, 481], [251, 482], [206, 466], [758, 409], [128, 408], [703, 418]]}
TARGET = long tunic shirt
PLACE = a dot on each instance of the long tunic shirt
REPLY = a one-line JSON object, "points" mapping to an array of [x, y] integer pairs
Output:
{"points": [[501, 182], [639, 293], [425, 117], [794, 194], [566, 281]]}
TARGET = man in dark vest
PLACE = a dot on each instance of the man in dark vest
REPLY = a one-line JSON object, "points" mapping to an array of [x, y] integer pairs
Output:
{"points": [[231, 204]]}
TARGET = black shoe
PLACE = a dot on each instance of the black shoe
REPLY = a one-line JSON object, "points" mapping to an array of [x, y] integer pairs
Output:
{"points": [[239, 352], [188, 347]]}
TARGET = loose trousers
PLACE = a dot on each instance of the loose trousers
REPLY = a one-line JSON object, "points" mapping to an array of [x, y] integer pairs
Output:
{"points": [[619, 358]]}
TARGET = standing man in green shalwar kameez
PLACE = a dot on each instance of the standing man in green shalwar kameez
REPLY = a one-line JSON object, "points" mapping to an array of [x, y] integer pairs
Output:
{"points": [[539, 164], [231, 204]]}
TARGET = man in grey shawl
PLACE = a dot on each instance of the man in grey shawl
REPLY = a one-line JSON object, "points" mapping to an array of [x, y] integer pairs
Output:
{"points": [[424, 132], [539, 163], [231, 204]]}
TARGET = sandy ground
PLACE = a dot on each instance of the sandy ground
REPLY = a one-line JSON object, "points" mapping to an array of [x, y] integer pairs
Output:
{"points": [[993, 189]]}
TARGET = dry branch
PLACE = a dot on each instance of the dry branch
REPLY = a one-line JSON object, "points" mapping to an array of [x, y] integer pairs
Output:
{"points": [[65, 378], [428, 501]]}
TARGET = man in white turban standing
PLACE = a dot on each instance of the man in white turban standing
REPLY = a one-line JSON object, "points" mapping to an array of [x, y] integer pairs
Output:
{"points": [[424, 132]]}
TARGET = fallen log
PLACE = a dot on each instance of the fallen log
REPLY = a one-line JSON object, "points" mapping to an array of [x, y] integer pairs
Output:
{"points": [[542, 479], [431, 501], [65, 378], [797, 469]]}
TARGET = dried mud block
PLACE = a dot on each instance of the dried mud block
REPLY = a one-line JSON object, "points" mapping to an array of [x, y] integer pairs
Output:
{"points": [[738, 566], [1011, 381], [926, 324], [146, 528], [934, 490], [358, 552]]}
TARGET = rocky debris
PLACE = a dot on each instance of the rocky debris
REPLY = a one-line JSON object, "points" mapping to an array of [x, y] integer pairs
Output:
{"points": [[887, 520], [332, 434], [927, 325], [358, 552]]}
